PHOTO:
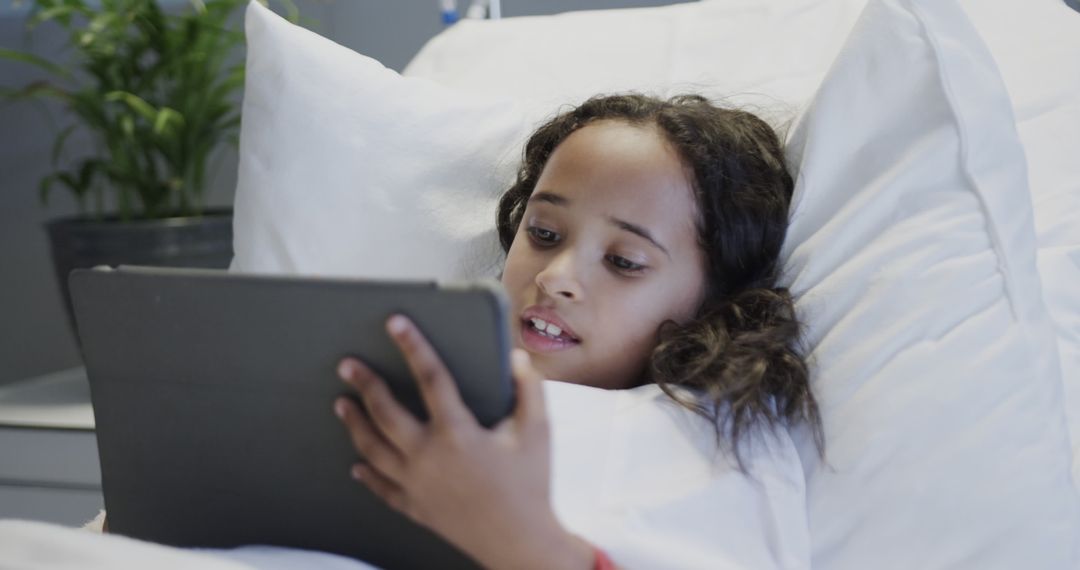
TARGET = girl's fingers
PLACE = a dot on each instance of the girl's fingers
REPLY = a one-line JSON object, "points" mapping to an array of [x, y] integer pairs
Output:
{"points": [[380, 485], [437, 387], [531, 409], [393, 421], [367, 441]]}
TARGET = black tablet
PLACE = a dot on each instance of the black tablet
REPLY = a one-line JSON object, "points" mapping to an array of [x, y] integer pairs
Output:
{"points": [[213, 394]]}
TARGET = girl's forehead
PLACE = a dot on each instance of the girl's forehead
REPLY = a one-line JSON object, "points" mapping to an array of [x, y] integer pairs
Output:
{"points": [[618, 179], [614, 138], [629, 169]]}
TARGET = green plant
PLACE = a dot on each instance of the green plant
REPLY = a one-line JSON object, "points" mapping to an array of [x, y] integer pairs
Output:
{"points": [[155, 88]]}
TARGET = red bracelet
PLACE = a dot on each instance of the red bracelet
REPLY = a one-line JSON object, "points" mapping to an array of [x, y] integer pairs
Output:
{"points": [[601, 560]]}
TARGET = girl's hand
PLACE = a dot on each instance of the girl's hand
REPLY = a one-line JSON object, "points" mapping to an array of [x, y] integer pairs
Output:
{"points": [[485, 491]]}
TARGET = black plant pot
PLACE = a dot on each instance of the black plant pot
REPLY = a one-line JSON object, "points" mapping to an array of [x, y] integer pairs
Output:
{"points": [[194, 241]]}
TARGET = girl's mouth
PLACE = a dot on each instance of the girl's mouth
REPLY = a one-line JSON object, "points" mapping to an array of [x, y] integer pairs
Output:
{"points": [[539, 335]]}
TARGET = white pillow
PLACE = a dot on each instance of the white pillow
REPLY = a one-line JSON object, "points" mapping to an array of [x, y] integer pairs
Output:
{"points": [[1037, 46], [769, 54], [912, 253], [347, 169], [897, 394]]}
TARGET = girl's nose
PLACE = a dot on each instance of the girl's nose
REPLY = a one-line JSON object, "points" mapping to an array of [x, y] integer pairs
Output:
{"points": [[559, 279]]}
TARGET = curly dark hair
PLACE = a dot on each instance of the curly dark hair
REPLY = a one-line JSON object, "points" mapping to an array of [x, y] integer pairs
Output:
{"points": [[740, 354]]}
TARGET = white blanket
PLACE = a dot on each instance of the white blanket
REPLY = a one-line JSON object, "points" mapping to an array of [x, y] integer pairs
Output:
{"points": [[30, 545], [632, 472], [640, 476]]}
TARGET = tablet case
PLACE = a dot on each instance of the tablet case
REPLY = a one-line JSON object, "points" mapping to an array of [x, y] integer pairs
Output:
{"points": [[212, 394]]}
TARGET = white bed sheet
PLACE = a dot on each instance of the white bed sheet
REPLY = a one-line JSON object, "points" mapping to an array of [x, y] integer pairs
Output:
{"points": [[32, 545]]}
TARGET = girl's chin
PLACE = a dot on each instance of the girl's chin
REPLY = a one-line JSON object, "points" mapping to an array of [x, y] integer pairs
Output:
{"points": [[550, 366]]}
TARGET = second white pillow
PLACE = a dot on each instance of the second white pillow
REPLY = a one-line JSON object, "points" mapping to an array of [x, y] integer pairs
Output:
{"points": [[912, 253]]}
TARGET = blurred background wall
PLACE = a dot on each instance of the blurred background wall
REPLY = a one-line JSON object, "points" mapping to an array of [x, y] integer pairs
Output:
{"points": [[34, 334]]}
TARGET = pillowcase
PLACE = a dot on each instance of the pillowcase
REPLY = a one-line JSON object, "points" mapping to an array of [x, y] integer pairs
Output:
{"points": [[1037, 46], [347, 169], [912, 255], [770, 55], [935, 362]]}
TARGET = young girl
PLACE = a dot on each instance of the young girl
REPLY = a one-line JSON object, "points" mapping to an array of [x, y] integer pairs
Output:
{"points": [[642, 239]]}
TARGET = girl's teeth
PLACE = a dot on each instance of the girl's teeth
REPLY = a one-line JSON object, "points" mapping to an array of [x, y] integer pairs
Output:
{"points": [[545, 327]]}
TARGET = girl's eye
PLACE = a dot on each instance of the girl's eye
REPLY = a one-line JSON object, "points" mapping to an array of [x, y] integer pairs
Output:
{"points": [[543, 236], [624, 265]]}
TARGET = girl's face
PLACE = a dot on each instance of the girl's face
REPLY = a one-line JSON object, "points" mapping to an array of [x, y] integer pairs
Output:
{"points": [[607, 251]]}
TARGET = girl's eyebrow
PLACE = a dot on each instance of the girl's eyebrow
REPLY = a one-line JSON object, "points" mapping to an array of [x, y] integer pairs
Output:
{"points": [[555, 199], [638, 230], [549, 197]]}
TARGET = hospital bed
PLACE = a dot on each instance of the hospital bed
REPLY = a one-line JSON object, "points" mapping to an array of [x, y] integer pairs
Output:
{"points": [[934, 250]]}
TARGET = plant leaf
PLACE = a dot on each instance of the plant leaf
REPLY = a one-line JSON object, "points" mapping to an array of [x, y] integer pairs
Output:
{"points": [[32, 59], [292, 11], [61, 12], [35, 89], [61, 139], [43, 188], [87, 172], [71, 182], [127, 125], [136, 103], [165, 117]]}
